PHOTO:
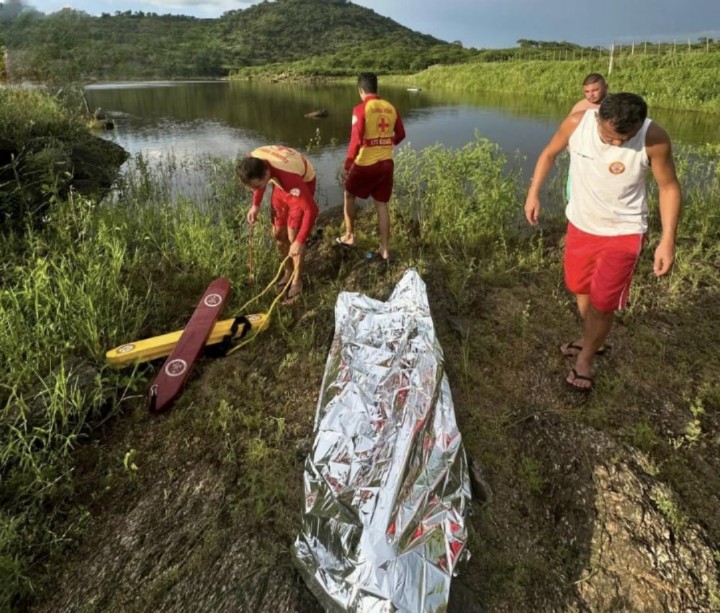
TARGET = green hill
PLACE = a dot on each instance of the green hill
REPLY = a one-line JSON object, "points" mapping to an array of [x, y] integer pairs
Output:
{"points": [[71, 45]]}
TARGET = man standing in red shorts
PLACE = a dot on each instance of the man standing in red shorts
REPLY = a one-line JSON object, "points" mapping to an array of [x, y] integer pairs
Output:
{"points": [[611, 150], [368, 168], [293, 206]]}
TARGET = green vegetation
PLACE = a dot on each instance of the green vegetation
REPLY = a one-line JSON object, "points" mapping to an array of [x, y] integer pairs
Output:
{"points": [[85, 281], [71, 45], [94, 275], [680, 81], [45, 151], [288, 38]]}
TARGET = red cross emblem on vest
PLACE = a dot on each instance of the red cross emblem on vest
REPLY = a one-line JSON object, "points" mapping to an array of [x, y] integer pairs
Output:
{"points": [[382, 125]]}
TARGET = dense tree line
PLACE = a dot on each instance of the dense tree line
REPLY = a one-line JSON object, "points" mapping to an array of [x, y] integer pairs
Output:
{"points": [[325, 37], [302, 37], [72, 45]]}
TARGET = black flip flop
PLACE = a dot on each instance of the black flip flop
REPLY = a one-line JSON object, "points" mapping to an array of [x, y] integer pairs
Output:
{"points": [[576, 377], [578, 348], [341, 243]]}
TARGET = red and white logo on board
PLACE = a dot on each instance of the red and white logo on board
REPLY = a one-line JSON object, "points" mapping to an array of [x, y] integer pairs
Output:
{"points": [[617, 168], [176, 368], [125, 348], [213, 300]]}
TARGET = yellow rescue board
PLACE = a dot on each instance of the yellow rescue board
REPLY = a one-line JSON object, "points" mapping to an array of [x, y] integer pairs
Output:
{"points": [[161, 346]]}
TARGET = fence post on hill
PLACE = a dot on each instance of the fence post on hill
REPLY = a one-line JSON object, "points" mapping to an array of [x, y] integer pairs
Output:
{"points": [[610, 63]]}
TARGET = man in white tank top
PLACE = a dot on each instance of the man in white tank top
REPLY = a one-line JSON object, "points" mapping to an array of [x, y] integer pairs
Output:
{"points": [[611, 150]]}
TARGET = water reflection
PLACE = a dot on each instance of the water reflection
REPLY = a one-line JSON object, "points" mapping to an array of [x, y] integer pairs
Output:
{"points": [[228, 119]]}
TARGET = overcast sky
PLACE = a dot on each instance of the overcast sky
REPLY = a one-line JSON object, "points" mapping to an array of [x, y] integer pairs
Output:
{"points": [[486, 23]]}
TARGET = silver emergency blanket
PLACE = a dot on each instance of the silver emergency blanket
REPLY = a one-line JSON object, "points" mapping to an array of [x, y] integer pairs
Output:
{"points": [[386, 482]]}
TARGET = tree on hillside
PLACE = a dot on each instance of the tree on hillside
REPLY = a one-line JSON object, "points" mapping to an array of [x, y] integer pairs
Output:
{"points": [[12, 8]]}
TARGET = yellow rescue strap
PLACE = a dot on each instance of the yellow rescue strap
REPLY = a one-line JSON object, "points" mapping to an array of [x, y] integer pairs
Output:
{"points": [[272, 306]]}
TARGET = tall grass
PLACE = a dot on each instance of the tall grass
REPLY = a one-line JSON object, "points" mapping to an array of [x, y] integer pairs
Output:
{"points": [[458, 196], [93, 276], [697, 260]]}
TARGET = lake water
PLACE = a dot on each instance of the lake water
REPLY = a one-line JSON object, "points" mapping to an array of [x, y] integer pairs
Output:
{"points": [[189, 120]]}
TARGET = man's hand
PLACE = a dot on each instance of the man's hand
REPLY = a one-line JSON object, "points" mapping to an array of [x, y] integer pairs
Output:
{"points": [[252, 214], [532, 210], [664, 257], [295, 248]]}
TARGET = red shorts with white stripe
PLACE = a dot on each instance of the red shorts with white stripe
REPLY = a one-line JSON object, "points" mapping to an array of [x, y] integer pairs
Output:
{"points": [[601, 266], [284, 209]]}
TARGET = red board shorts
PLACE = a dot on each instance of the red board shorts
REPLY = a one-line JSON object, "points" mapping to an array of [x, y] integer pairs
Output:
{"points": [[284, 210], [374, 181], [601, 266]]}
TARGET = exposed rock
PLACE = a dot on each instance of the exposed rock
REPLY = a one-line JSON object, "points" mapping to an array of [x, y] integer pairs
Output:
{"points": [[640, 560], [86, 163], [174, 551]]}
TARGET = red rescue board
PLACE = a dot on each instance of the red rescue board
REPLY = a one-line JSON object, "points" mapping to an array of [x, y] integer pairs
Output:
{"points": [[175, 372]]}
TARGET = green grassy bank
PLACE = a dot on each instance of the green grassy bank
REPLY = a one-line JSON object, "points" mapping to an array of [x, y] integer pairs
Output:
{"points": [[93, 275], [687, 81]]}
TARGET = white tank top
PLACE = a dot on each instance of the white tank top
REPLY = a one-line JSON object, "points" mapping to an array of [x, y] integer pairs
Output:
{"points": [[607, 191]]}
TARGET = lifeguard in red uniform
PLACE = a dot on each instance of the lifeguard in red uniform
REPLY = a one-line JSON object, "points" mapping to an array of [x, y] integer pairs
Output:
{"points": [[293, 206], [368, 169]]}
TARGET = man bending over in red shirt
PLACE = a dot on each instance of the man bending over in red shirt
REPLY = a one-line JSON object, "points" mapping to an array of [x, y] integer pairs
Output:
{"points": [[293, 208]]}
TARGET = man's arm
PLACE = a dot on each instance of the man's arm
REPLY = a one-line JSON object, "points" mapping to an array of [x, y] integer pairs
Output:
{"points": [[558, 143], [583, 105], [257, 196], [310, 206], [357, 131], [299, 196], [659, 150]]}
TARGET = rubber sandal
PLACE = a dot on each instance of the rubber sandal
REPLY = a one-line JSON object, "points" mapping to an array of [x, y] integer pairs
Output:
{"points": [[342, 243], [577, 377], [578, 348]]}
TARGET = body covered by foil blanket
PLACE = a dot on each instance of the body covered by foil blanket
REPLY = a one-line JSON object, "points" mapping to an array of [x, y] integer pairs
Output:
{"points": [[386, 483]]}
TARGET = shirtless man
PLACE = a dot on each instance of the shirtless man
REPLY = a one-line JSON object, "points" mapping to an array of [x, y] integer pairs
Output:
{"points": [[594, 90], [611, 151]]}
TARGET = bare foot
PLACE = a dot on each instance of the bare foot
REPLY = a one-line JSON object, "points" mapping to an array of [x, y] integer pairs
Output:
{"points": [[284, 281], [295, 290]]}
